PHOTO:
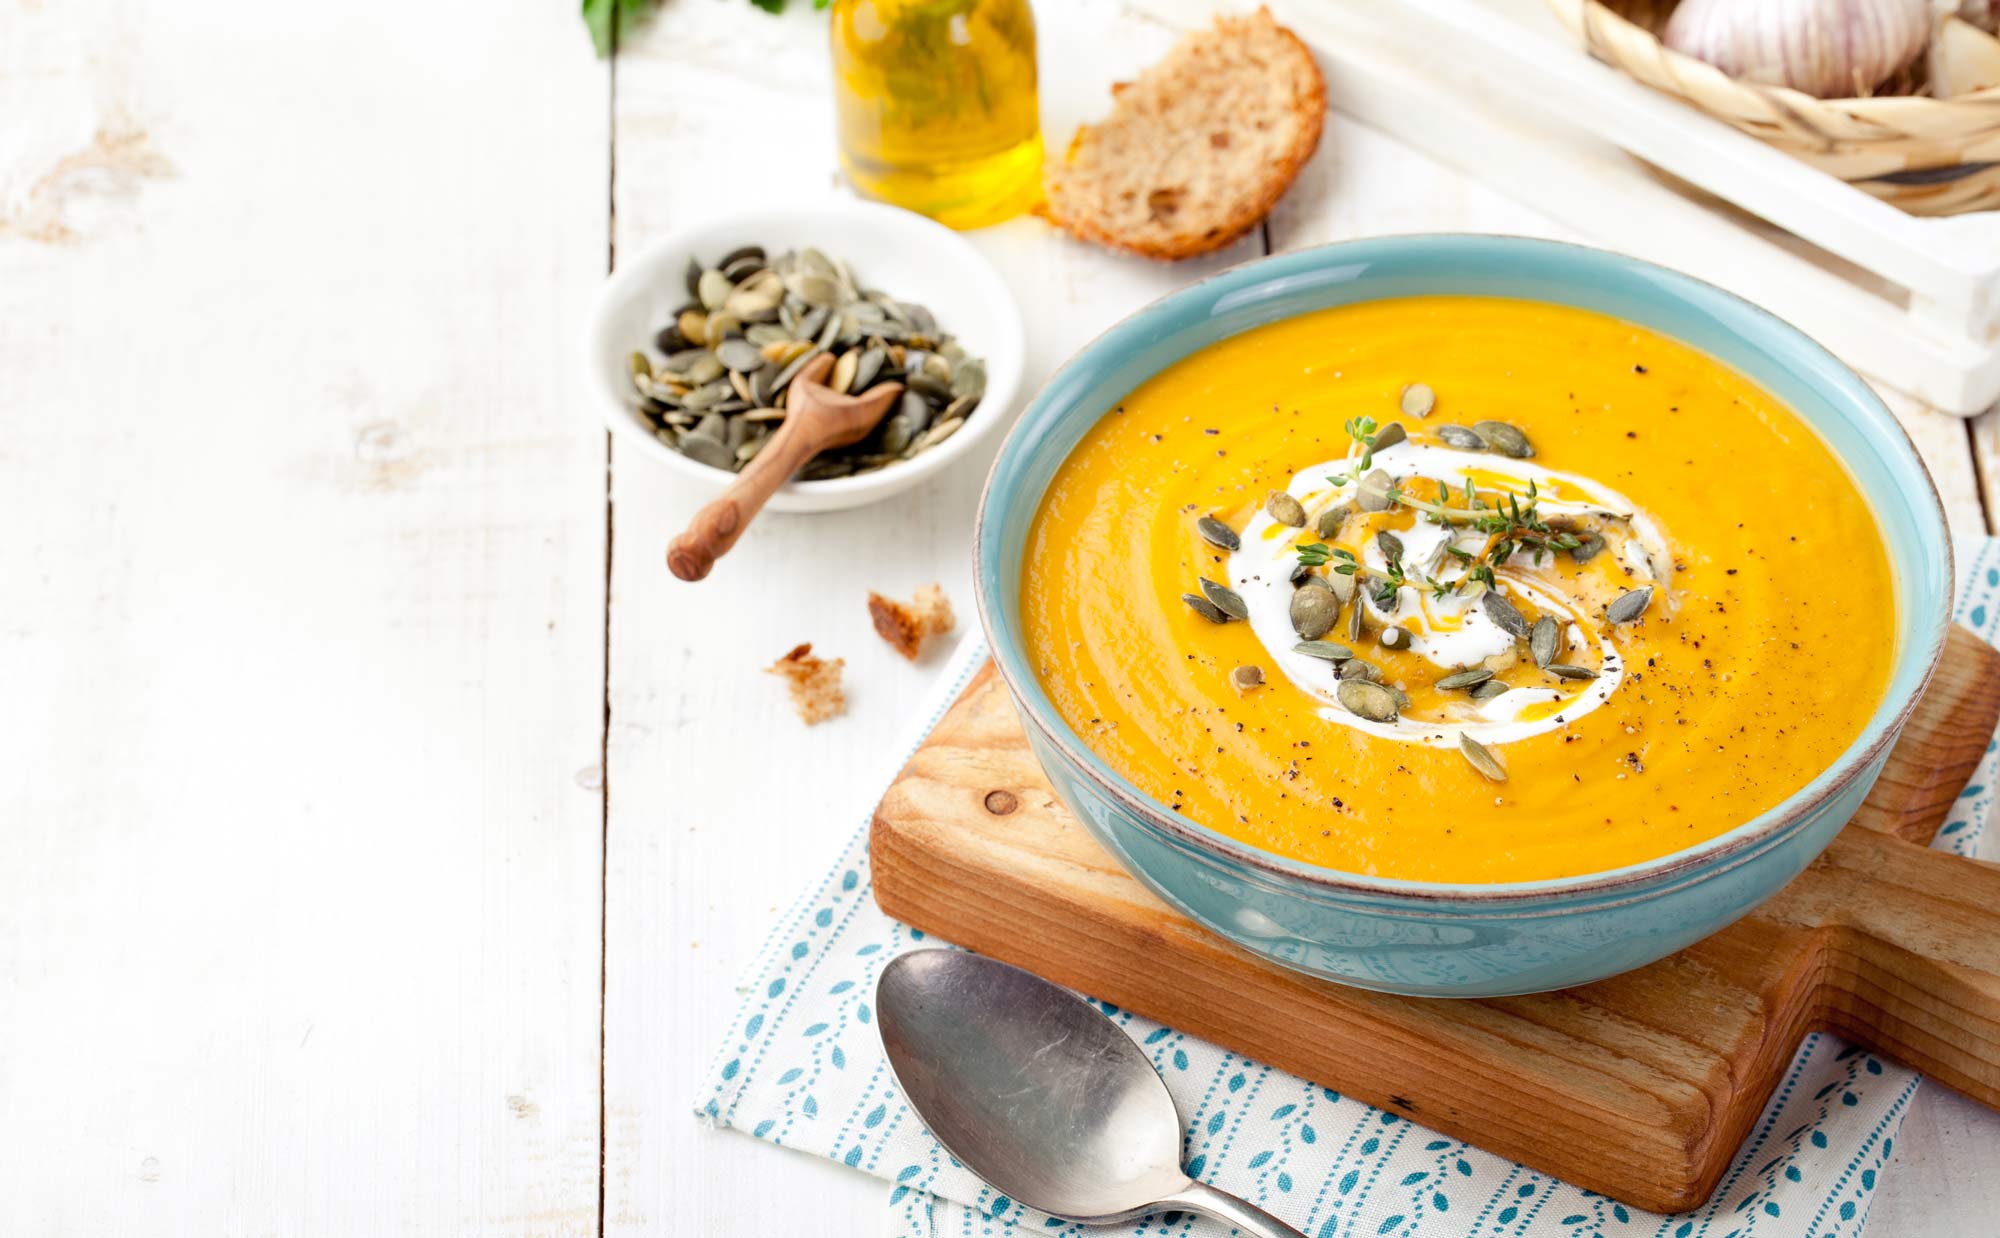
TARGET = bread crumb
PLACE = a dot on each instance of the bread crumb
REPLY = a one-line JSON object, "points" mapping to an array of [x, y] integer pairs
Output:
{"points": [[814, 683], [907, 627]]}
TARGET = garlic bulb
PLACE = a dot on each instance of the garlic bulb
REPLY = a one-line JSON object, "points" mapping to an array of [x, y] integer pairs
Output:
{"points": [[1963, 58], [1829, 48]]}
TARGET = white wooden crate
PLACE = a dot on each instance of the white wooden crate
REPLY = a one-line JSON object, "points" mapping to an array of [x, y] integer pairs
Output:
{"points": [[1498, 89]]}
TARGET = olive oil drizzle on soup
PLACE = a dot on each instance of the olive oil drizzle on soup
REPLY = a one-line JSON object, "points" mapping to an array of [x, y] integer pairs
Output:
{"points": [[1720, 611]]}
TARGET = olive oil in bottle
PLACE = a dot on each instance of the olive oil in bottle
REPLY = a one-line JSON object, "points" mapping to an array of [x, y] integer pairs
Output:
{"points": [[936, 105]]}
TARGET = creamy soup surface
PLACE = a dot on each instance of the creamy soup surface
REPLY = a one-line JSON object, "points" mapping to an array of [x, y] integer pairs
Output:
{"points": [[1606, 599]]}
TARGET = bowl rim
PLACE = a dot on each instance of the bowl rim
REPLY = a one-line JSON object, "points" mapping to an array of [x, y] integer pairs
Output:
{"points": [[634, 274], [1639, 881]]}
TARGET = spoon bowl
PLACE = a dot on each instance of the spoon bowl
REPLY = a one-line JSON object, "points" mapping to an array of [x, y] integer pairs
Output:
{"points": [[1038, 1094]]}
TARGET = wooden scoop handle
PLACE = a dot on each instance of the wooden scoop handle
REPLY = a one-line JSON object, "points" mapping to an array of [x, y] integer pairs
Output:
{"points": [[716, 527], [818, 418]]}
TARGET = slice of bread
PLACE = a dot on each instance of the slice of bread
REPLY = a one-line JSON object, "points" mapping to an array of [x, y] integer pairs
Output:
{"points": [[1199, 148]]}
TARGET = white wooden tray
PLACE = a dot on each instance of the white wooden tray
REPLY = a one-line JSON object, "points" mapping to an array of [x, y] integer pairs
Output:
{"points": [[1498, 89]]}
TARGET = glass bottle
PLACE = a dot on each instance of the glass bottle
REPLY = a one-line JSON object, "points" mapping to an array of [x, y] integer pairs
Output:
{"points": [[935, 101]]}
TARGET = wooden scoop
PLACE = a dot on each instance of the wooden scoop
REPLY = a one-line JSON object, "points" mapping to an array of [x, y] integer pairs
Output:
{"points": [[816, 418]]}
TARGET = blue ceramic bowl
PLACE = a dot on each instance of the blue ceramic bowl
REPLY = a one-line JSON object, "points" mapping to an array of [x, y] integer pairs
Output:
{"points": [[1465, 940]]}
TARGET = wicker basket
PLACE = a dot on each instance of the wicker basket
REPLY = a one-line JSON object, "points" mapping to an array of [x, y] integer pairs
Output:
{"points": [[1927, 156]]}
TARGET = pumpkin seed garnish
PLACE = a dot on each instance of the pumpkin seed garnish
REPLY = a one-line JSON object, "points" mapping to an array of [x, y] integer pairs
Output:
{"points": [[1324, 650], [1343, 586], [1461, 437], [749, 326], [1365, 699], [1587, 547], [1470, 677], [1488, 690], [1543, 639], [1313, 612], [1357, 621], [1417, 400], [1285, 509], [1481, 758], [1218, 534], [1563, 670], [1389, 436], [1630, 606], [1330, 520], [1308, 580], [1245, 678], [1226, 599], [1390, 545], [1372, 495], [1205, 608], [1395, 638], [1505, 439], [1504, 614], [1360, 668]]}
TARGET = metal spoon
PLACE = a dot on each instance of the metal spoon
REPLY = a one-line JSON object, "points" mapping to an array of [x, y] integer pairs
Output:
{"points": [[1042, 1097]]}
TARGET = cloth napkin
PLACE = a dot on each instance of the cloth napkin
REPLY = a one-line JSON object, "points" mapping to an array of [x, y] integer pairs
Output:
{"points": [[802, 1066]]}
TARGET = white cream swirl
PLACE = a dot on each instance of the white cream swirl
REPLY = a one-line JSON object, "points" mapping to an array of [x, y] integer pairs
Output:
{"points": [[1453, 632]]}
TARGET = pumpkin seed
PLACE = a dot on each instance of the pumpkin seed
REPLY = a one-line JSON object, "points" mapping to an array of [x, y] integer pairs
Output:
{"points": [[739, 355], [1470, 677], [1372, 495], [1543, 640], [1205, 608], [1481, 758], [969, 379], [1367, 700], [1563, 670], [740, 253], [1313, 612], [1216, 533], [1305, 579], [1246, 678], [1342, 586], [1390, 545], [1285, 509], [1225, 598], [704, 450], [1417, 400], [1488, 690], [1504, 614], [1630, 606], [1505, 439], [1324, 650], [1395, 638], [1460, 437], [868, 367], [642, 367], [844, 369], [1356, 619], [1588, 546], [705, 369], [1390, 435], [1360, 668], [713, 289], [1330, 520]]}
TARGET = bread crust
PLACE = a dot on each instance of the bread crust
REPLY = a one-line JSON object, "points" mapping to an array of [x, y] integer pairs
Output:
{"points": [[1066, 205]]}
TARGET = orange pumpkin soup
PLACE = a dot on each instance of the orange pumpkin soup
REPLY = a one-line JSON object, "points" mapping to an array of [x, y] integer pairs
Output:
{"points": [[1459, 589]]}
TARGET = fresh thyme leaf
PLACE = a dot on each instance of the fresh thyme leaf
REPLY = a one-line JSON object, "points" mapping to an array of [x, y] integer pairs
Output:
{"points": [[1314, 554]]}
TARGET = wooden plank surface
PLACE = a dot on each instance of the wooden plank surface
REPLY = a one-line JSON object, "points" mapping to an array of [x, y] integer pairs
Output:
{"points": [[303, 620], [1639, 1087]]}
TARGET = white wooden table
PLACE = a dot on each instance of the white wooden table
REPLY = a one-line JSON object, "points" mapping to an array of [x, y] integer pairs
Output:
{"points": [[384, 829]]}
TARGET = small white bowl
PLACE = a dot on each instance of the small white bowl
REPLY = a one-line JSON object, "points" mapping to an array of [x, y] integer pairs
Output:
{"points": [[906, 255]]}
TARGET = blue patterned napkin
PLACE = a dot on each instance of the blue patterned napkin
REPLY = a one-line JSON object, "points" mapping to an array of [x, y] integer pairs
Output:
{"points": [[801, 1066]]}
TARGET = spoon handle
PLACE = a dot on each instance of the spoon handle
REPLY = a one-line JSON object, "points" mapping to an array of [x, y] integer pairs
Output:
{"points": [[716, 527], [1222, 1206]]}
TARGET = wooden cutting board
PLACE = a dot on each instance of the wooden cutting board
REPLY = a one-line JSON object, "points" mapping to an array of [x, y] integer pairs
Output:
{"points": [[1640, 1087]]}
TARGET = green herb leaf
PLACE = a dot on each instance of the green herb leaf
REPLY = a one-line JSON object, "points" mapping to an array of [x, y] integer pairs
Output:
{"points": [[1314, 554]]}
